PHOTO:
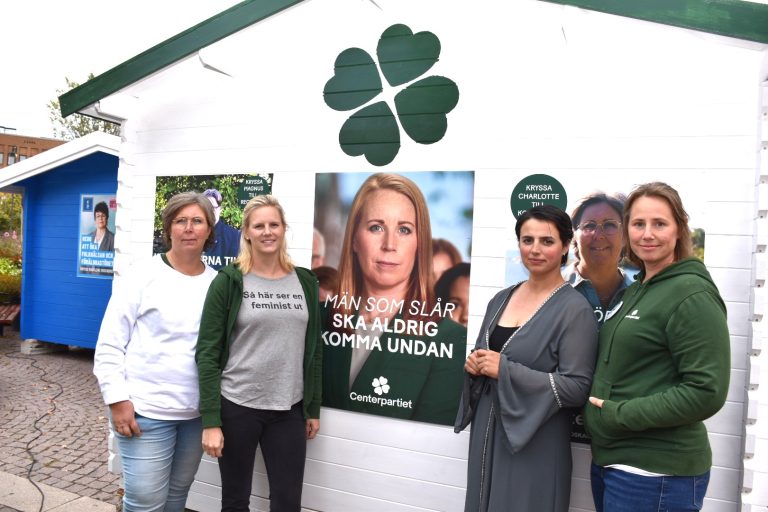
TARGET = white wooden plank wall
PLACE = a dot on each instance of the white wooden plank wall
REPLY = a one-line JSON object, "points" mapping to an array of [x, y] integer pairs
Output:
{"points": [[755, 485], [682, 110]]}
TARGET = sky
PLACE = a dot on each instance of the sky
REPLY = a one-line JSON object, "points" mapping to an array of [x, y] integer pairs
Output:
{"points": [[47, 40]]}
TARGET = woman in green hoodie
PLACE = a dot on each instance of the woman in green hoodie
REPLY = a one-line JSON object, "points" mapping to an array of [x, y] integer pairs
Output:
{"points": [[663, 368]]}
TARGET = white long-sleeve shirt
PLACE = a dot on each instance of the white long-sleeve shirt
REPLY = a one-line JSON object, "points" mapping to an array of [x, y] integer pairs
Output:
{"points": [[146, 347]]}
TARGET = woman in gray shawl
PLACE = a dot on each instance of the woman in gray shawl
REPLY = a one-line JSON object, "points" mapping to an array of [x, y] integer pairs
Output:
{"points": [[533, 360]]}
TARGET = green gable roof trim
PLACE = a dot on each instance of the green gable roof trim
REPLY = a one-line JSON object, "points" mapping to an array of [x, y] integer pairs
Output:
{"points": [[733, 18], [172, 50]]}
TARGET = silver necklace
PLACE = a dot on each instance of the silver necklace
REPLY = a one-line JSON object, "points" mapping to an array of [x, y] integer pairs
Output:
{"points": [[488, 329]]}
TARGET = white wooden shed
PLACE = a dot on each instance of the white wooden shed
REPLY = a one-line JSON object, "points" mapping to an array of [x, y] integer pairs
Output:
{"points": [[587, 90]]}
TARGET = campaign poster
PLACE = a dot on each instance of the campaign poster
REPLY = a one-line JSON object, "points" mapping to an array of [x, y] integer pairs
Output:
{"points": [[600, 243], [395, 332], [228, 194], [96, 251]]}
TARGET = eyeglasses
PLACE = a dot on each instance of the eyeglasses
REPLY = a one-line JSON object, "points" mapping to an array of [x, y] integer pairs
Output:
{"points": [[100, 216], [183, 222], [609, 227]]}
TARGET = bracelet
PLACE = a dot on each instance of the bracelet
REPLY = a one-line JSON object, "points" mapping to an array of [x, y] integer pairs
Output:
{"points": [[554, 390]]}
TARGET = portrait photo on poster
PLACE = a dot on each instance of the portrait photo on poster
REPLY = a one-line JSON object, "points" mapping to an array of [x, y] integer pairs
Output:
{"points": [[96, 250], [391, 251], [228, 194], [597, 265]]}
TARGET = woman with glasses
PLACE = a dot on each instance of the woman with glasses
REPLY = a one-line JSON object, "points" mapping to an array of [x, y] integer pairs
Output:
{"points": [[598, 247], [663, 367], [102, 236], [145, 361]]}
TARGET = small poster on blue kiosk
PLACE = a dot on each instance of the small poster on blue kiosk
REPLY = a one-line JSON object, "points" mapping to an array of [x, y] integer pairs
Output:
{"points": [[96, 250]]}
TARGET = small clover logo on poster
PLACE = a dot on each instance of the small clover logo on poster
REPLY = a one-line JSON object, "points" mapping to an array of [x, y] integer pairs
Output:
{"points": [[422, 106], [380, 386]]}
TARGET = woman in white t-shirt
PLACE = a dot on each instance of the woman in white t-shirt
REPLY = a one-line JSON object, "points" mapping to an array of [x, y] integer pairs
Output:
{"points": [[145, 362]]}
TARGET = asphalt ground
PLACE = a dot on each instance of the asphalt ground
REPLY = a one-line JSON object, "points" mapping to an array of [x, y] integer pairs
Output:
{"points": [[51, 411]]}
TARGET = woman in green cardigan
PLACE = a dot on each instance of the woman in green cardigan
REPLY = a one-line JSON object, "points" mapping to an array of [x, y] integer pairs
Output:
{"points": [[259, 363]]}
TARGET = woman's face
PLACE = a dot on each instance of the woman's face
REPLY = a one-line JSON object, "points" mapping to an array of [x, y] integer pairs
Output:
{"points": [[385, 243], [100, 220], [540, 247], [603, 245], [265, 231], [189, 230], [458, 295], [652, 232]]}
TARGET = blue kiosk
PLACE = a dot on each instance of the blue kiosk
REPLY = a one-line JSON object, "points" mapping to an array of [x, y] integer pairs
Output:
{"points": [[68, 225]]}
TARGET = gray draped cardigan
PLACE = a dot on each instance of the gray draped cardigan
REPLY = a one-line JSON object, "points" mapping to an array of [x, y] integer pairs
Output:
{"points": [[519, 454]]}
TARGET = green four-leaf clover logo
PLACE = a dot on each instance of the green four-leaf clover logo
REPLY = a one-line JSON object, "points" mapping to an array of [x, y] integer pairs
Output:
{"points": [[421, 106]]}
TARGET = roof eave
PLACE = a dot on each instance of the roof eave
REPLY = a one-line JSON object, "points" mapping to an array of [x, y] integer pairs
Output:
{"points": [[739, 19], [95, 142]]}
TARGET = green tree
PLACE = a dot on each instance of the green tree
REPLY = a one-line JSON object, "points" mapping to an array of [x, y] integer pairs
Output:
{"points": [[76, 125], [697, 237], [10, 212]]}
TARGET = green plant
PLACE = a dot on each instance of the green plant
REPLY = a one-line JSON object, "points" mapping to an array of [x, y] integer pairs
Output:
{"points": [[10, 288], [10, 248], [10, 267], [227, 184]]}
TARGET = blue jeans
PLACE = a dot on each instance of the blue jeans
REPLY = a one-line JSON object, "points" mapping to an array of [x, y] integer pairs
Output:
{"points": [[160, 465], [615, 490]]}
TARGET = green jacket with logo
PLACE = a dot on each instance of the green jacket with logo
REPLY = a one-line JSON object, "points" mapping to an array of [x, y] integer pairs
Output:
{"points": [[219, 316], [663, 367], [421, 387]]}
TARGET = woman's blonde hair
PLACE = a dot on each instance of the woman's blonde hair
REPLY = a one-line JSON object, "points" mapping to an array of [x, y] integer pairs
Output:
{"points": [[420, 286], [245, 258], [684, 245]]}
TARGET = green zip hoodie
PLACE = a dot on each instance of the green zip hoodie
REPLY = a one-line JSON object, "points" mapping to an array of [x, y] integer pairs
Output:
{"points": [[219, 315], [663, 367]]}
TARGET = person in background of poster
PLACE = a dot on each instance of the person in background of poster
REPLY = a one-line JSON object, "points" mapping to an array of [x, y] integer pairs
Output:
{"points": [[102, 235], [328, 277], [390, 348], [598, 248], [145, 365], [444, 256], [533, 359], [227, 243], [663, 367], [318, 249], [453, 288], [259, 358]]}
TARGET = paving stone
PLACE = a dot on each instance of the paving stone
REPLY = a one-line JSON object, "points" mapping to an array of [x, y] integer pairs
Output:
{"points": [[71, 448]]}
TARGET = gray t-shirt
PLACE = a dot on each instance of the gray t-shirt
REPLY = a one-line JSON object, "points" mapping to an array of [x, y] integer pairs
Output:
{"points": [[265, 366]]}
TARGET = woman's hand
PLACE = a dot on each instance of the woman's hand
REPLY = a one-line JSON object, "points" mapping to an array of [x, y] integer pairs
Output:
{"points": [[124, 418], [471, 365], [483, 362], [213, 441], [597, 402], [313, 427]]}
